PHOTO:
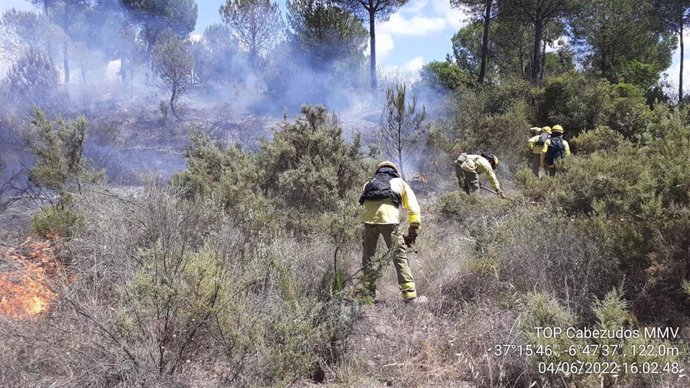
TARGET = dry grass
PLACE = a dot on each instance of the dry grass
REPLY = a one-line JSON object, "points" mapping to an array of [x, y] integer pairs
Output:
{"points": [[276, 325]]}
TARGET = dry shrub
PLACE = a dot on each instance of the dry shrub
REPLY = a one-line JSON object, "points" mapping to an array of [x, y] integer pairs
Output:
{"points": [[164, 291]]}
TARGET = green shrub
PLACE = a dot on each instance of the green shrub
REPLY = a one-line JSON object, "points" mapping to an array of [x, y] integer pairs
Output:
{"points": [[573, 101], [33, 79], [601, 138], [630, 352], [225, 175], [53, 222], [309, 164], [58, 145], [578, 102], [489, 119], [635, 198]]}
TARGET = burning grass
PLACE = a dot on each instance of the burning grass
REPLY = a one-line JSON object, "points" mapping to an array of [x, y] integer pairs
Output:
{"points": [[24, 290]]}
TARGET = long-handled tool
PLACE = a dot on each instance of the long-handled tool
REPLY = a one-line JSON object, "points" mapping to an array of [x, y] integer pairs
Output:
{"points": [[494, 192]]}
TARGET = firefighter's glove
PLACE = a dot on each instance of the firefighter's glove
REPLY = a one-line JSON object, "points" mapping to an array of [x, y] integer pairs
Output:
{"points": [[411, 237]]}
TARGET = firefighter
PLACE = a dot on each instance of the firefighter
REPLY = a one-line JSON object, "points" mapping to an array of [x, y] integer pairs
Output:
{"points": [[467, 170], [381, 200], [554, 148], [535, 145]]}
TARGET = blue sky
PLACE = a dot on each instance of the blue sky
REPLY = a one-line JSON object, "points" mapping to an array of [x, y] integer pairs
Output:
{"points": [[418, 33]]}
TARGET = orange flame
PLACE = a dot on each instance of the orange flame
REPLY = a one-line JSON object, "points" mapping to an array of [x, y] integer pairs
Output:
{"points": [[24, 291]]}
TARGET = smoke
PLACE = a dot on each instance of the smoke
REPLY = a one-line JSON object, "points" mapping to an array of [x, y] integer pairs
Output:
{"points": [[106, 56]]}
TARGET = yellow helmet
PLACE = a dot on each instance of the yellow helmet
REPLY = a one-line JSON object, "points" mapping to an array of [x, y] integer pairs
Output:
{"points": [[535, 130], [557, 128], [387, 164], [547, 129]]}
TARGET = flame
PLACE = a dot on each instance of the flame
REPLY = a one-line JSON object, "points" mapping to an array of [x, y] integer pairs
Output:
{"points": [[24, 291]]}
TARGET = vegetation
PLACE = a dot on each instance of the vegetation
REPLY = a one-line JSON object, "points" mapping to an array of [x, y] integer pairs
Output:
{"points": [[256, 24], [240, 266], [402, 124], [173, 64], [33, 78]]}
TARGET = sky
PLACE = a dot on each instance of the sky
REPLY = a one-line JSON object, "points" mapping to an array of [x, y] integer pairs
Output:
{"points": [[419, 32]]}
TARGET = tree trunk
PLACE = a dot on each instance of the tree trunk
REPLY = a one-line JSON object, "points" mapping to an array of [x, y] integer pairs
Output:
{"points": [[372, 46], [682, 56], [485, 41], [65, 60], [173, 97], [536, 60], [123, 70], [543, 61]]}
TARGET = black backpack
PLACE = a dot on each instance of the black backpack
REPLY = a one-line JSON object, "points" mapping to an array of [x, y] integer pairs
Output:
{"points": [[491, 158], [380, 187], [555, 151]]}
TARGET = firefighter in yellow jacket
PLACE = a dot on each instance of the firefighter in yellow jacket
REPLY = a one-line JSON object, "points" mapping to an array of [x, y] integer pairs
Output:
{"points": [[381, 200], [535, 145], [554, 148], [467, 170]]}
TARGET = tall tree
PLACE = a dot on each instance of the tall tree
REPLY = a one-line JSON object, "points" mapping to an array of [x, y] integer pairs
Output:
{"points": [[401, 123], [487, 9], [213, 55], [467, 48], [21, 30], [624, 40], [510, 47], [325, 34], [256, 24], [538, 13], [173, 64], [676, 15], [154, 16], [372, 9], [67, 14]]}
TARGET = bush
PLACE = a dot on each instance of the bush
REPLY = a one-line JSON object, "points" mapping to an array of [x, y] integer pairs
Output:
{"points": [[225, 175], [635, 198], [59, 148], [165, 291], [55, 222], [33, 78], [624, 351], [602, 138], [309, 165], [578, 102], [528, 246], [491, 119]]}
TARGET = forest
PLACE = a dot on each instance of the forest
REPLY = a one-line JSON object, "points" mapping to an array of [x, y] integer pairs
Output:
{"points": [[181, 209]]}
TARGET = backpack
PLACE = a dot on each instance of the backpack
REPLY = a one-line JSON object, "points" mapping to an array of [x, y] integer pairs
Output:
{"points": [[555, 151], [380, 188], [542, 139], [491, 158]]}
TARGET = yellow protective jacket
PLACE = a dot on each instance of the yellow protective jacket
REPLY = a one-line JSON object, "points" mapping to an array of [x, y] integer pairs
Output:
{"points": [[478, 165], [545, 149], [383, 211], [532, 144]]}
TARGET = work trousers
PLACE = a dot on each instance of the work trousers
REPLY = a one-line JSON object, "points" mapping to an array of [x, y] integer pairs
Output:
{"points": [[402, 266], [468, 181], [535, 162]]}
